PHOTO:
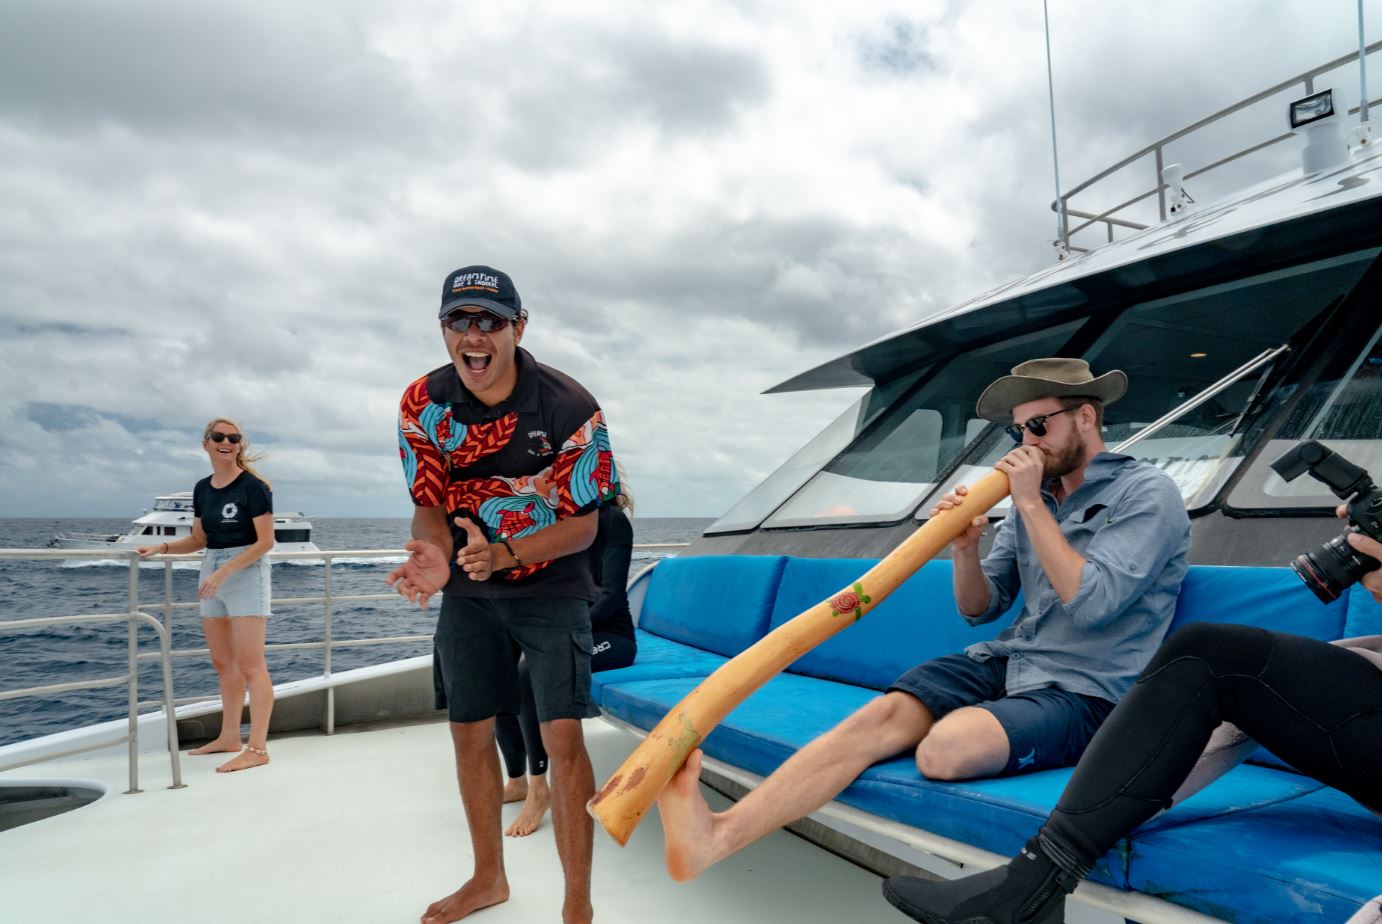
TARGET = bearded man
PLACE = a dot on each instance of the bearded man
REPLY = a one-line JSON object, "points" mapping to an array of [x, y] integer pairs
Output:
{"points": [[1097, 544]]}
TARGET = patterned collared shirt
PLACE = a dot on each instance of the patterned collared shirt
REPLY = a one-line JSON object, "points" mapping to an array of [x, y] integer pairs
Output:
{"points": [[1128, 521], [539, 456]]}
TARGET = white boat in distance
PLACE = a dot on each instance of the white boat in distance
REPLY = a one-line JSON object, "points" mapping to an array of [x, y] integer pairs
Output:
{"points": [[170, 519]]}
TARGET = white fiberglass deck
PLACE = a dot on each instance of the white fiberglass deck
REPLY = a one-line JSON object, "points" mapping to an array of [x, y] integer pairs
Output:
{"points": [[367, 826]]}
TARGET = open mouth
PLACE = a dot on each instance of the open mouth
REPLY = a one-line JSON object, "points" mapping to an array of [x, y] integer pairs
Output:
{"points": [[476, 362]]}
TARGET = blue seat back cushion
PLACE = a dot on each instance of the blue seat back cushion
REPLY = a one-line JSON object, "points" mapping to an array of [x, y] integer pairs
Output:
{"points": [[916, 622], [719, 603], [1364, 613], [1271, 598]]}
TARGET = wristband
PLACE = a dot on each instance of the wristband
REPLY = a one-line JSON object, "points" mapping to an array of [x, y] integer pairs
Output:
{"points": [[165, 548], [518, 562]]}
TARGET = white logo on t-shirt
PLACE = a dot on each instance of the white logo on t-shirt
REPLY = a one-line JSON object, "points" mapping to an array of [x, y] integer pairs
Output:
{"points": [[229, 511]]}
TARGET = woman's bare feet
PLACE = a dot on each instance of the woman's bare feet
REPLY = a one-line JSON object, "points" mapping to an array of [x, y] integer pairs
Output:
{"points": [[516, 789], [688, 827], [534, 809], [470, 897], [249, 757], [219, 746]]}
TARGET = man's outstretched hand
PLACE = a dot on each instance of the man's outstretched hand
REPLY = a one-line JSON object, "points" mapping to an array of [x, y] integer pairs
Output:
{"points": [[424, 573]]}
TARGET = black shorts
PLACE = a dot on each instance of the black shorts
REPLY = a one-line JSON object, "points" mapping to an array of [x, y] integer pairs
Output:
{"points": [[475, 661], [1049, 727]]}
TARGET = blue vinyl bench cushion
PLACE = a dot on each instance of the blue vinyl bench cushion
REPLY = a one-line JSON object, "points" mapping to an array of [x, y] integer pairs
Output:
{"points": [[1270, 598], [658, 658], [916, 622], [718, 603], [1311, 858]]}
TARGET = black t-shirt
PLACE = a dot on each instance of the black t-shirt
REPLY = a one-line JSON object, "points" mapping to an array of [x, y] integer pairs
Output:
{"points": [[540, 456], [228, 513]]}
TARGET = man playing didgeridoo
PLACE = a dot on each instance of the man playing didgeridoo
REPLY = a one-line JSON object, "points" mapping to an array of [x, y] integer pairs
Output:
{"points": [[1097, 543], [507, 461]]}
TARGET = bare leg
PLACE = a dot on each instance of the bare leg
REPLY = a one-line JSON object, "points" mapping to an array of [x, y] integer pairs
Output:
{"points": [[535, 804], [967, 743], [247, 638], [232, 686], [477, 771], [696, 838], [573, 786]]}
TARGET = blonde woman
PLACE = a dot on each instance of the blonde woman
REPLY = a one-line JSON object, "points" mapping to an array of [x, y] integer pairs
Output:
{"points": [[233, 520]]}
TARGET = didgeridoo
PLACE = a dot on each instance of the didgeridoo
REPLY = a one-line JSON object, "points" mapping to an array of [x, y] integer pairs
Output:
{"points": [[622, 802]]}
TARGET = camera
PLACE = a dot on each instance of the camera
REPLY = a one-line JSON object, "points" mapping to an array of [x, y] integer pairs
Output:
{"points": [[1335, 566]]}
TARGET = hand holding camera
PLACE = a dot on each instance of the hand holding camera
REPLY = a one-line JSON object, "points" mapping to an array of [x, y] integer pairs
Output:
{"points": [[1344, 560]]}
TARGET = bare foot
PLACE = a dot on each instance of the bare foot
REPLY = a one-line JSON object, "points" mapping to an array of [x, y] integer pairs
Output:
{"points": [[516, 789], [249, 757], [470, 897], [687, 823], [220, 745], [534, 809]]}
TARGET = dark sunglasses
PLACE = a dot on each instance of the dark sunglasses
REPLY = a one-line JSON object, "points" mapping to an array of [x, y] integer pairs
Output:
{"points": [[1037, 425], [222, 437], [460, 321]]}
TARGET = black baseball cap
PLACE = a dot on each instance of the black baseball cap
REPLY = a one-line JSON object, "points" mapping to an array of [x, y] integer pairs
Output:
{"points": [[480, 287]]}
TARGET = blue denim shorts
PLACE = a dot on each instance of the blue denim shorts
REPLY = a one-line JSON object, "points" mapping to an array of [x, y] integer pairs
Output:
{"points": [[244, 593], [1049, 727]]}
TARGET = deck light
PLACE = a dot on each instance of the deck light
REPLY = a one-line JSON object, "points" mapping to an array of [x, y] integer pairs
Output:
{"points": [[1313, 108], [1198, 355]]}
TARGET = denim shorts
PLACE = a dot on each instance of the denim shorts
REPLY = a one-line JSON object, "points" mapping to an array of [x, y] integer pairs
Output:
{"points": [[1049, 727], [244, 593], [475, 657]]}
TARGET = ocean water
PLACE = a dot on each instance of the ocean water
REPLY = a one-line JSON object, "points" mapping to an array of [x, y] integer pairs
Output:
{"points": [[59, 654]]}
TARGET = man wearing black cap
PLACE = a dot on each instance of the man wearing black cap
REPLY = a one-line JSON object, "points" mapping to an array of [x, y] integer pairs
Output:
{"points": [[1095, 541], [506, 459]]}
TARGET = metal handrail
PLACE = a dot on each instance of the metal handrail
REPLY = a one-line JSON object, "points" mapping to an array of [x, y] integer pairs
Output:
{"points": [[166, 654], [1157, 148], [134, 618]]}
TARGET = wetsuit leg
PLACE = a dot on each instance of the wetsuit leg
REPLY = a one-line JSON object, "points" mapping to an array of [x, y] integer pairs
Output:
{"points": [[527, 722], [1314, 705]]}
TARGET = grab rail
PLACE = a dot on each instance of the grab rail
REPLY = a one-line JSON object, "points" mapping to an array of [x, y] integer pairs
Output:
{"points": [[134, 617], [1157, 148], [328, 599]]}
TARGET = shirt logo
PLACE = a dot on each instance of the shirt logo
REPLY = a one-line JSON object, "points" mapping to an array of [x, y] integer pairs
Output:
{"points": [[1027, 760], [542, 441], [229, 511]]}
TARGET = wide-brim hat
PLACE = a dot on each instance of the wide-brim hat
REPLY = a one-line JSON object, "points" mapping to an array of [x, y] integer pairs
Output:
{"points": [[1056, 377]]}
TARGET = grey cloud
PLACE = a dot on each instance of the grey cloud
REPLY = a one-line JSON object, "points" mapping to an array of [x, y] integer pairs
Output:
{"points": [[898, 49], [227, 70]]}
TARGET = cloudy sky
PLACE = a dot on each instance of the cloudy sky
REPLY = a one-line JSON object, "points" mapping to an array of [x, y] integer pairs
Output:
{"points": [[247, 209]]}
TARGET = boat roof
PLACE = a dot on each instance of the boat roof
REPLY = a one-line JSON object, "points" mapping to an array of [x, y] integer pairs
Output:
{"points": [[366, 825], [1283, 222]]}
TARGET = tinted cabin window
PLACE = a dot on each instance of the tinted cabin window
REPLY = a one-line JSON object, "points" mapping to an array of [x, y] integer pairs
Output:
{"points": [[890, 466], [1172, 349], [292, 535], [1343, 410]]}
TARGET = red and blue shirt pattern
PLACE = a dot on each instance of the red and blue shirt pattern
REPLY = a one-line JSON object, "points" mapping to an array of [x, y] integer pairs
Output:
{"points": [[500, 466]]}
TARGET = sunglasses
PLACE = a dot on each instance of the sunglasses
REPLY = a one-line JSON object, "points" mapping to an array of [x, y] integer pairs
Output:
{"points": [[460, 321], [222, 437], [1037, 425]]}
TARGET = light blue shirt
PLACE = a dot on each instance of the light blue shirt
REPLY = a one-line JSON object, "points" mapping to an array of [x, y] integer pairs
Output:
{"points": [[1128, 522]]}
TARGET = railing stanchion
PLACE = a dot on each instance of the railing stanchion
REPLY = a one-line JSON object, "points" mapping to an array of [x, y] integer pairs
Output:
{"points": [[329, 722], [134, 672]]}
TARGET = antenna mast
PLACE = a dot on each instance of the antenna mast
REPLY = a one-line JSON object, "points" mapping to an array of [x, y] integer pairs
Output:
{"points": [[1062, 238]]}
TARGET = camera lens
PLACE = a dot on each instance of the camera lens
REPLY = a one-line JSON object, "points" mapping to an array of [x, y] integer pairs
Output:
{"points": [[1332, 568]]}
